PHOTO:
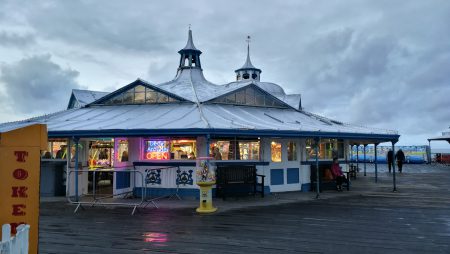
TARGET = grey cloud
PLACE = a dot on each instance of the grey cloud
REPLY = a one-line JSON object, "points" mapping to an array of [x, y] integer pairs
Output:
{"points": [[16, 40], [37, 85], [116, 25], [367, 62]]}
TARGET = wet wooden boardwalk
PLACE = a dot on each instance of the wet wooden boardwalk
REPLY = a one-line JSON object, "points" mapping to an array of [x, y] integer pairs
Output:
{"points": [[416, 219]]}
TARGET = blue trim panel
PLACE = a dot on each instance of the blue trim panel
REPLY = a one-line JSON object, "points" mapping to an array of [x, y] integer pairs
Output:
{"points": [[306, 187], [276, 177], [293, 175], [122, 180], [218, 132]]}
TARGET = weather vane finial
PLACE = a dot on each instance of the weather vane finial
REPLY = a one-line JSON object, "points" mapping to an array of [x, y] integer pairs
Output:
{"points": [[189, 26], [248, 39]]}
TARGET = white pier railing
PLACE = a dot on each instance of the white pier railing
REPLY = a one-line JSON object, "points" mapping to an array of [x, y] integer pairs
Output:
{"points": [[17, 244]]}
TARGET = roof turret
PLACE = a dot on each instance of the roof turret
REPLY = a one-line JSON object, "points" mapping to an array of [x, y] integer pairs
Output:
{"points": [[189, 44], [190, 55], [248, 71]]}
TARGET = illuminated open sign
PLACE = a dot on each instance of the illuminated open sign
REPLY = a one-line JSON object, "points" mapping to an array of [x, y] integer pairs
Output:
{"points": [[157, 155], [156, 150]]}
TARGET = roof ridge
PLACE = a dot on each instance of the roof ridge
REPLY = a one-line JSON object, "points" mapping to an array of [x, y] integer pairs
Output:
{"points": [[37, 117], [74, 89], [197, 101], [349, 124]]}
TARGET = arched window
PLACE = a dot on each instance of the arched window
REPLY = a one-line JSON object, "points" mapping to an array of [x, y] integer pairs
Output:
{"points": [[254, 76], [246, 76], [193, 62]]}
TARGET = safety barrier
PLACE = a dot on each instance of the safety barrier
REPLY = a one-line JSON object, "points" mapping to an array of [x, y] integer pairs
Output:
{"points": [[17, 244], [152, 180], [94, 197]]}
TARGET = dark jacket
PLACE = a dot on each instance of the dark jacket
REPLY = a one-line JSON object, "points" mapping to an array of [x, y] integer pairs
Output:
{"points": [[400, 156], [390, 156]]}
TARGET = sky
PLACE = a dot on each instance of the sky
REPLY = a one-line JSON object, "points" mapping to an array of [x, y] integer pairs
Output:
{"points": [[382, 64]]}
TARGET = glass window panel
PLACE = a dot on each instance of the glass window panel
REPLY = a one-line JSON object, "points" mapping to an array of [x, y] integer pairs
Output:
{"points": [[101, 153], [163, 98], [122, 150], [277, 104], [240, 97], [139, 89], [128, 97], [117, 99], [310, 152], [56, 149], [220, 150], [172, 99], [139, 97], [231, 98], [249, 96], [328, 149], [292, 151], [249, 150], [151, 96], [275, 151], [269, 101], [259, 99], [59, 150], [183, 149]]}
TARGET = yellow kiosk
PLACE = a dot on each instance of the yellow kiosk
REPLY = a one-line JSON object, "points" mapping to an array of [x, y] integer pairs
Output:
{"points": [[20, 150], [205, 179]]}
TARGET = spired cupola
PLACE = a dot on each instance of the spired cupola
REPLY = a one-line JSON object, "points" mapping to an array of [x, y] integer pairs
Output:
{"points": [[248, 72], [190, 55]]}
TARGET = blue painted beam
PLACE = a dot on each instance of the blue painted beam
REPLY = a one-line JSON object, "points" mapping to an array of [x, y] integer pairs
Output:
{"points": [[220, 132]]}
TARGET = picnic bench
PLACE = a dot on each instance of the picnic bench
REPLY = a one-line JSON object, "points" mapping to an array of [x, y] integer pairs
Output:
{"points": [[233, 180]]}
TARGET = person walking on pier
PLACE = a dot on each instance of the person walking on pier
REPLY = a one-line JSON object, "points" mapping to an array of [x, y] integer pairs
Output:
{"points": [[400, 156], [390, 159]]}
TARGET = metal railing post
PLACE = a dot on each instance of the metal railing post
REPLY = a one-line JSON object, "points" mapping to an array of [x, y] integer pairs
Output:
{"points": [[317, 168], [365, 145], [393, 167], [376, 163], [357, 158], [76, 167]]}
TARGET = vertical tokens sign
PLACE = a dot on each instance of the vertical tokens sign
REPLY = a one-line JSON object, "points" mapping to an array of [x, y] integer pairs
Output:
{"points": [[19, 178]]}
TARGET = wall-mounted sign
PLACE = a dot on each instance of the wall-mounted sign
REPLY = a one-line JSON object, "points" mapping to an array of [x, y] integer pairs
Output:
{"points": [[19, 178]]}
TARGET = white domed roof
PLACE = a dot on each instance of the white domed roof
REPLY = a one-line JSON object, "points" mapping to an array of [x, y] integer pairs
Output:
{"points": [[271, 88]]}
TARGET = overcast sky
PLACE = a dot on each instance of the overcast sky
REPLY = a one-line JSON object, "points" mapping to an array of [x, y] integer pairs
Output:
{"points": [[382, 64]]}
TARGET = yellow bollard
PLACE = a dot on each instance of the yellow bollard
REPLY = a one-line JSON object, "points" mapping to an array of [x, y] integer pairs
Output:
{"points": [[206, 205]]}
